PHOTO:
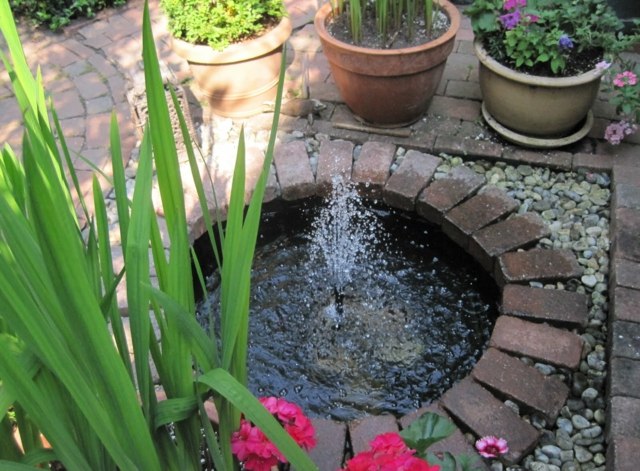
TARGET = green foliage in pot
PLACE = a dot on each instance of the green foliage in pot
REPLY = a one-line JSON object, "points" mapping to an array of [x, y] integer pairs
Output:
{"points": [[553, 38], [65, 370], [222, 22], [57, 13], [389, 15]]}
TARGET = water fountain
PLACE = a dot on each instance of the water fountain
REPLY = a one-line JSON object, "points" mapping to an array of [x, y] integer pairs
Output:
{"points": [[360, 310]]}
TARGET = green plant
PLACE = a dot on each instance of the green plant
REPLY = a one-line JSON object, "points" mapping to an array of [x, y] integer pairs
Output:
{"points": [[64, 364], [388, 14], [220, 23], [549, 37], [58, 13]]}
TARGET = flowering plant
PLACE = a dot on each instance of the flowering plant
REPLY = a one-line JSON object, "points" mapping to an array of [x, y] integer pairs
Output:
{"points": [[408, 450], [549, 37], [624, 85], [559, 38], [255, 450]]}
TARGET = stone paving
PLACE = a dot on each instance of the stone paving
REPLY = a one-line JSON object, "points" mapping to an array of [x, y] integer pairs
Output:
{"points": [[91, 66]]}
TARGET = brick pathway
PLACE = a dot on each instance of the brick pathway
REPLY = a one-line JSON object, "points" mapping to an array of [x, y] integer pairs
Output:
{"points": [[90, 68]]}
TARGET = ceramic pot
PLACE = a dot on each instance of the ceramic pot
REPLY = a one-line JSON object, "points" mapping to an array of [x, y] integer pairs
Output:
{"points": [[540, 107], [387, 87], [238, 80]]}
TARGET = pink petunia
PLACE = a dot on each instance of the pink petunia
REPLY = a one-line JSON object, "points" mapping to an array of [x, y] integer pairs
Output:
{"points": [[625, 78], [513, 4], [492, 447]]}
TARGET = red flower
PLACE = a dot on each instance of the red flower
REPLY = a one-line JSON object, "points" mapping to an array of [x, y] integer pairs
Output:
{"points": [[388, 453]]}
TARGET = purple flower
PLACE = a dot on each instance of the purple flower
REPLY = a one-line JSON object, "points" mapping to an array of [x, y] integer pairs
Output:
{"points": [[616, 132], [510, 20], [565, 42]]}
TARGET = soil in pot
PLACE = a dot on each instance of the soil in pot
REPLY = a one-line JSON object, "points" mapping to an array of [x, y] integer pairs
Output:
{"points": [[339, 29]]}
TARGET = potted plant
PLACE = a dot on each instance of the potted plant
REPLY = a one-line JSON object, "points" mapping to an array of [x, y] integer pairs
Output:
{"points": [[541, 64], [387, 57], [234, 49]]}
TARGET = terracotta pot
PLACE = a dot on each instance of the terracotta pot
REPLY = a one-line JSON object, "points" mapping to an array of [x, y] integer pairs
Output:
{"points": [[238, 80], [544, 107], [387, 87]]}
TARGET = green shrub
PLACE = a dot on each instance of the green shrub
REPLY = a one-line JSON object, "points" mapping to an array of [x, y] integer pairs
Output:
{"points": [[220, 23], [57, 13]]}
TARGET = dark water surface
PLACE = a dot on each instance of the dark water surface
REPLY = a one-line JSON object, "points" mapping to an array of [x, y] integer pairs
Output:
{"points": [[414, 319]]}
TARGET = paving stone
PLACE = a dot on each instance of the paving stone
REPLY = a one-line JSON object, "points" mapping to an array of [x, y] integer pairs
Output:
{"points": [[371, 170], [364, 430], [294, 171], [335, 160], [623, 377], [625, 273], [565, 308], [99, 105], [68, 105], [455, 108], [624, 340], [463, 89], [330, 439], [539, 341], [480, 411], [412, 175], [594, 162], [455, 444], [477, 212], [554, 159], [537, 264], [623, 453], [90, 85], [625, 305], [467, 147], [521, 383], [58, 54], [625, 228], [626, 175], [97, 130], [623, 418], [516, 232], [443, 194], [625, 196]]}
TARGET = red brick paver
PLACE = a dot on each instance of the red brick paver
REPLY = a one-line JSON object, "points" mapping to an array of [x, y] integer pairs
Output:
{"points": [[539, 341]]}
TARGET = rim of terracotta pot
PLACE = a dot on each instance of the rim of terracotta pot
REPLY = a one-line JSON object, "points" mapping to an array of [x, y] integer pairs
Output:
{"points": [[236, 52], [528, 79], [324, 14]]}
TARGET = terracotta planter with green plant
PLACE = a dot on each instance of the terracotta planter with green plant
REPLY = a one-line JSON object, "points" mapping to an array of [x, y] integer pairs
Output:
{"points": [[387, 57], [234, 49], [541, 65]]}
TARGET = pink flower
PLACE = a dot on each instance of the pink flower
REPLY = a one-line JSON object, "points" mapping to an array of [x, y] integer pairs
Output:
{"points": [[603, 65], [531, 18], [616, 132], [390, 443], [254, 449], [512, 4], [492, 447], [625, 78]]}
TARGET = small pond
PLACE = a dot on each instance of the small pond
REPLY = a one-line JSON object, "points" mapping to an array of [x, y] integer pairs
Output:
{"points": [[385, 328]]}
